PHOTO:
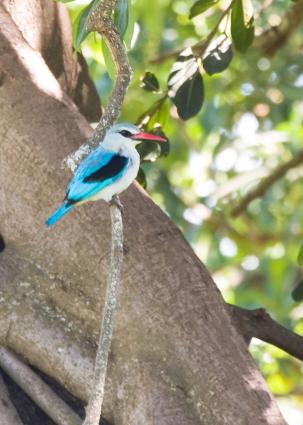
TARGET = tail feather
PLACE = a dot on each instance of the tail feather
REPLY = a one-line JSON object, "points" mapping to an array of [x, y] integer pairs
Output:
{"points": [[60, 212]]}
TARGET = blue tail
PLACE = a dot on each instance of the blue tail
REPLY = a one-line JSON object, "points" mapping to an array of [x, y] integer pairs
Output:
{"points": [[60, 212]]}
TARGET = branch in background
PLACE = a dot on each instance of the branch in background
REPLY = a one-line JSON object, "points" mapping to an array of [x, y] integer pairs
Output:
{"points": [[37, 390], [275, 37], [258, 323], [266, 183], [199, 48], [100, 20], [8, 413], [269, 41]]}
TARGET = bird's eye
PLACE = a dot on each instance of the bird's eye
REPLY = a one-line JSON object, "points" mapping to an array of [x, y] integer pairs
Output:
{"points": [[125, 133]]}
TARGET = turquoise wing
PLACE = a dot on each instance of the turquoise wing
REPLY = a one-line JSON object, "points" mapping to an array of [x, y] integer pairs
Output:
{"points": [[98, 170]]}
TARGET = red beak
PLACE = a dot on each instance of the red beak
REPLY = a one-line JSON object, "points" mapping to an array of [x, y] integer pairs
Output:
{"points": [[148, 136]]}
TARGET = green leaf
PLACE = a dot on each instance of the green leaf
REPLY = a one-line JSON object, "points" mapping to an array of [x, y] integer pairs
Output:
{"points": [[185, 85], [297, 293], [141, 178], [128, 36], [150, 82], [300, 256], [121, 16], [165, 147], [160, 116], [149, 151], [189, 97], [110, 66], [218, 58], [79, 26], [242, 25], [64, 1], [200, 6]]}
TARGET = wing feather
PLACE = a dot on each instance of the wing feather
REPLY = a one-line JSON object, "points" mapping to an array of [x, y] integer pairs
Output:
{"points": [[98, 170]]}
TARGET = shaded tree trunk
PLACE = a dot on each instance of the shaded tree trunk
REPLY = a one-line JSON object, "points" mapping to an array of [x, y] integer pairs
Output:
{"points": [[176, 358]]}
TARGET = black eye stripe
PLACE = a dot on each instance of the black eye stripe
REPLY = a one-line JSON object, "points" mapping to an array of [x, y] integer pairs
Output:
{"points": [[125, 133]]}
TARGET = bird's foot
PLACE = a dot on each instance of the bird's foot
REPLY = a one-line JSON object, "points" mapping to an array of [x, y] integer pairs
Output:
{"points": [[116, 201]]}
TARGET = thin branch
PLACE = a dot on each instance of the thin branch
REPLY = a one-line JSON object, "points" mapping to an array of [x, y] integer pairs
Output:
{"points": [[266, 183], [198, 48], [8, 413], [269, 41], [100, 20], [275, 37], [37, 390], [93, 411], [258, 323]]}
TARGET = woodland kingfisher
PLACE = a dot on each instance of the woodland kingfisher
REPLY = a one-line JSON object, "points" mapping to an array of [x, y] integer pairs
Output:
{"points": [[106, 171]]}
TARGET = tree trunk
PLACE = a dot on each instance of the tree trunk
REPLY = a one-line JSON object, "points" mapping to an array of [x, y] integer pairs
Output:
{"points": [[175, 358]]}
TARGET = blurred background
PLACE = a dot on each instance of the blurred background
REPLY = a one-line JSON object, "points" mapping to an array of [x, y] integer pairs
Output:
{"points": [[250, 123]]}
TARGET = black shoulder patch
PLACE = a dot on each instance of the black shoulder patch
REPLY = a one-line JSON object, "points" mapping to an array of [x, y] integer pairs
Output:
{"points": [[111, 169]]}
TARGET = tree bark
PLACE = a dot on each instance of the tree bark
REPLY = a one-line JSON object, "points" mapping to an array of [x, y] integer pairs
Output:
{"points": [[175, 358]]}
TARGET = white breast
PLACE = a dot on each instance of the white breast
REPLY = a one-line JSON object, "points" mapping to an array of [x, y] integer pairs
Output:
{"points": [[125, 180]]}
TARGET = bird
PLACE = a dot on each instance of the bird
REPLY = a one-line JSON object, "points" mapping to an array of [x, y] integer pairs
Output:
{"points": [[107, 171]]}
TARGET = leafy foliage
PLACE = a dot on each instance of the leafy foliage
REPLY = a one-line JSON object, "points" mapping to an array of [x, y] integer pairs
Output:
{"points": [[150, 82], [201, 6], [80, 31], [242, 25], [185, 85], [121, 17], [219, 57]]}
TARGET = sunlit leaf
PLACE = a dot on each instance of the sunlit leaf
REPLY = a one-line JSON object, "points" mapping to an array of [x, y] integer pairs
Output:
{"points": [[64, 1], [218, 58], [128, 36], [121, 16], [242, 25], [185, 85], [201, 6], [80, 31]]}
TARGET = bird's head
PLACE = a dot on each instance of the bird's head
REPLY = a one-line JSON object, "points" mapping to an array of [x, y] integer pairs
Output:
{"points": [[125, 134]]}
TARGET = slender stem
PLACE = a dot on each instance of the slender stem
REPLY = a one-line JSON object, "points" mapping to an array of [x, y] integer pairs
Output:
{"points": [[93, 410], [262, 187], [100, 20], [198, 48]]}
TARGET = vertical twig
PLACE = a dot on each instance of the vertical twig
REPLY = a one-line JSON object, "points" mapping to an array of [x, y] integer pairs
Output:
{"points": [[93, 410], [100, 20]]}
